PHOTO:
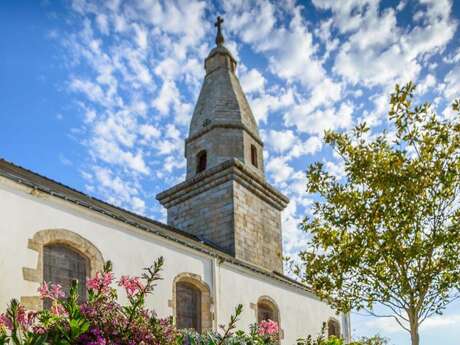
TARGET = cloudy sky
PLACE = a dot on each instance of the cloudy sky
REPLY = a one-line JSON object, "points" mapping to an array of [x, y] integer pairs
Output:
{"points": [[99, 94]]}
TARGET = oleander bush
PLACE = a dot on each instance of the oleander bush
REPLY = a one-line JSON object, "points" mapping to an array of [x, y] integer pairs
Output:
{"points": [[102, 320]]}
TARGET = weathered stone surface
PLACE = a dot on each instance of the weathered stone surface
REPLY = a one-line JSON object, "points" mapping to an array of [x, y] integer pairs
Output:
{"points": [[222, 123], [232, 207]]}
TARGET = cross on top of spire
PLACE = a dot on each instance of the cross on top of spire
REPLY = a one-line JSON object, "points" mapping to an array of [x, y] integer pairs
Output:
{"points": [[219, 36]]}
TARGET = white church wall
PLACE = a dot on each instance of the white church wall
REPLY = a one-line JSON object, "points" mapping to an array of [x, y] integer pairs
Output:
{"points": [[129, 249], [24, 213], [300, 313]]}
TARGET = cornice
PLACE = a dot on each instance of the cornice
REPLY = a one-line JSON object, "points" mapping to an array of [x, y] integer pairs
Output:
{"points": [[231, 170]]}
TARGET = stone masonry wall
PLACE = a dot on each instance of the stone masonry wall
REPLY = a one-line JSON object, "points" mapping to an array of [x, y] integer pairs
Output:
{"points": [[221, 144], [236, 219], [208, 214], [257, 230]]}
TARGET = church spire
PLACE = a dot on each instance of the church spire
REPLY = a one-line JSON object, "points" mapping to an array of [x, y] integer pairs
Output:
{"points": [[225, 199], [222, 124], [219, 36]]}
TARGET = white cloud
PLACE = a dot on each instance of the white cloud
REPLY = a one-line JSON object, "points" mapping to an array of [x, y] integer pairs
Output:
{"points": [[166, 98], [289, 48], [279, 169], [102, 23], [312, 145], [149, 132], [252, 81], [335, 168], [141, 36], [379, 51], [324, 33], [281, 141], [110, 152], [140, 66], [294, 239], [318, 121], [451, 87], [426, 84], [266, 103], [254, 21], [441, 321], [115, 189], [287, 142]]}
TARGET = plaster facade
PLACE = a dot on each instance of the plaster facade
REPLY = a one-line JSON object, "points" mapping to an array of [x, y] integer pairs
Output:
{"points": [[25, 212]]}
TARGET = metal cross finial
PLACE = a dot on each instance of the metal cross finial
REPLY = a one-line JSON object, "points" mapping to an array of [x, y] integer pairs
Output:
{"points": [[218, 25]]}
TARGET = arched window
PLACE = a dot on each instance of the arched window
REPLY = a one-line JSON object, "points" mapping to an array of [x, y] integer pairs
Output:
{"points": [[267, 310], [188, 306], [333, 328], [191, 302], [62, 265], [201, 161], [254, 156]]}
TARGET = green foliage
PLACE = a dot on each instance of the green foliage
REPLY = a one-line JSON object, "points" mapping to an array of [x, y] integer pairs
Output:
{"points": [[322, 339], [101, 320], [229, 335], [389, 232]]}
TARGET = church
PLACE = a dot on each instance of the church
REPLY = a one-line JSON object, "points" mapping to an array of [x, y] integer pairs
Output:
{"points": [[222, 243]]}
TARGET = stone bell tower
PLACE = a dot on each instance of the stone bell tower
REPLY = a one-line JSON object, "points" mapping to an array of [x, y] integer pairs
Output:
{"points": [[225, 198]]}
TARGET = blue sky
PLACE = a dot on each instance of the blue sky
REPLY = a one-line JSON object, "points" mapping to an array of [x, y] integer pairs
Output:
{"points": [[98, 94]]}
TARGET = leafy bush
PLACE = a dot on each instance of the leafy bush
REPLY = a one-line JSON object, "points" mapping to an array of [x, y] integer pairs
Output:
{"points": [[102, 320], [264, 333]]}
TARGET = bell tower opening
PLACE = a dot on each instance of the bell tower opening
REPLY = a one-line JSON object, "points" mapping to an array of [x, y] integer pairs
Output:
{"points": [[201, 161], [254, 156]]}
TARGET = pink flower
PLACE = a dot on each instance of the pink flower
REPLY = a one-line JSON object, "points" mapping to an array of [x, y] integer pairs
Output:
{"points": [[5, 321], [107, 278], [100, 282], [39, 329], [93, 283], [57, 309], [44, 290], [56, 291], [21, 316], [268, 327], [131, 285]]}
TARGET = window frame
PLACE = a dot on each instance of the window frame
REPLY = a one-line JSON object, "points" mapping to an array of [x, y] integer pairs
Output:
{"points": [[84, 260], [196, 324], [336, 325], [206, 299], [44, 237]]}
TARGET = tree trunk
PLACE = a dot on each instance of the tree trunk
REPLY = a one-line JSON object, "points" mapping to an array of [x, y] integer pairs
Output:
{"points": [[414, 336], [415, 339]]}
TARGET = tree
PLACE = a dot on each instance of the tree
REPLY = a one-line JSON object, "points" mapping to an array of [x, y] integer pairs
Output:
{"points": [[388, 232]]}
